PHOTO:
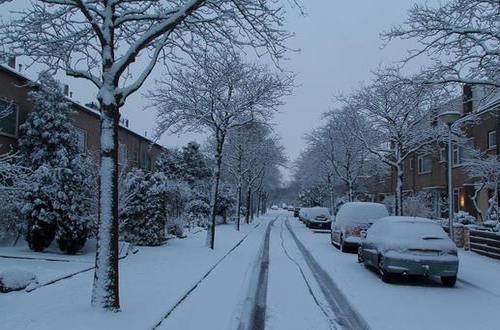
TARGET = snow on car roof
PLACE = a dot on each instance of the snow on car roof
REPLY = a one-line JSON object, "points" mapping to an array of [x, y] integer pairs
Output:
{"points": [[361, 212], [398, 226]]}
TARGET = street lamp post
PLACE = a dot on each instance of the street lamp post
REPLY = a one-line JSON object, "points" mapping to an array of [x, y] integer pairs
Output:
{"points": [[448, 118]]}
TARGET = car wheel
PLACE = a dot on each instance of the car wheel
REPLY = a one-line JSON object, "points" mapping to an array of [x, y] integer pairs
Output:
{"points": [[360, 255], [386, 276], [331, 237], [449, 281]]}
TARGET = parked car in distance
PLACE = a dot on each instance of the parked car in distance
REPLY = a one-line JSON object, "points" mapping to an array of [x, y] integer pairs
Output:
{"points": [[409, 246], [353, 218], [291, 208], [317, 217], [274, 207], [296, 212]]}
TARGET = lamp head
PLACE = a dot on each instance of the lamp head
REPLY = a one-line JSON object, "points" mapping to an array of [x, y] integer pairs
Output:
{"points": [[449, 117]]}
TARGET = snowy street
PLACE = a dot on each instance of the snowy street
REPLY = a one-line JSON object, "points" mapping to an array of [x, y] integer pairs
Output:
{"points": [[275, 274]]}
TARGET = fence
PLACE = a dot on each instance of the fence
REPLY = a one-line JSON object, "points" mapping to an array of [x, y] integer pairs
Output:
{"points": [[483, 242]]}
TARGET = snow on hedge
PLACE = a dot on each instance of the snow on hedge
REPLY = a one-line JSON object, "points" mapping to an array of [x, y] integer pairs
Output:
{"points": [[16, 279]]}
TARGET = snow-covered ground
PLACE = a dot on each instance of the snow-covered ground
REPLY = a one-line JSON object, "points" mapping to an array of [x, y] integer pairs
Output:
{"points": [[307, 284], [151, 282]]}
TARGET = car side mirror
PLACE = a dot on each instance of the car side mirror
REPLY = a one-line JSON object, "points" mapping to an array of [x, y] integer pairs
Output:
{"points": [[363, 234]]}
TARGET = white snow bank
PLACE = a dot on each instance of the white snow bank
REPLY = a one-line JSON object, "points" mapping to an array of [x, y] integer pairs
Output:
{"points": [[16, 279]]}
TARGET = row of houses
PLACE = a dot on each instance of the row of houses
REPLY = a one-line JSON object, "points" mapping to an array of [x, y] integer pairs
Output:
{"points": [[425, 172], [135, 150]]}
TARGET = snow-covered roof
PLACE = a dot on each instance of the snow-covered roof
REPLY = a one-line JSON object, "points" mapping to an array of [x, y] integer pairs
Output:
{"points": [[80, 106]]}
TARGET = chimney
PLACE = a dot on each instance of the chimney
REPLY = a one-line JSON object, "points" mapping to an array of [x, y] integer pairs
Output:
{"points": [[71, 94], [20, 67], [66, 90], [126, 122], [467, 99], [11, 62]]}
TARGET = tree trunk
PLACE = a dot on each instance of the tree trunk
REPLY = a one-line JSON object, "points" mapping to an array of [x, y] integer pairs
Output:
{"points": [[249, 206], [105, 288], [399, 190], [215, 192], [238, 208]]}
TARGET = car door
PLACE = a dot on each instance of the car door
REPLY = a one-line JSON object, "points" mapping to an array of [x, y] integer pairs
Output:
{"points": [[370, 254]]}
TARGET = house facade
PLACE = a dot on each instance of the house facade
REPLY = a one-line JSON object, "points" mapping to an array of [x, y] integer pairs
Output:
{"points": [[426, 172], [135, 150]]}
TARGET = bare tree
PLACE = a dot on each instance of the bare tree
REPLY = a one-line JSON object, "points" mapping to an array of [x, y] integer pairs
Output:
{"points": [[399, 116], [485, 169], [344, 153], [218, 93], [461, 36], [115, 44]]}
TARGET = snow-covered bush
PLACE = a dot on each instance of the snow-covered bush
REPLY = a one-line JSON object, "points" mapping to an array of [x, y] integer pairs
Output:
{"points": [[143, 218], [14, 177], [59, 199], [39, 210], [16, 279], [197, 212], [417, 205], [464, 218]]}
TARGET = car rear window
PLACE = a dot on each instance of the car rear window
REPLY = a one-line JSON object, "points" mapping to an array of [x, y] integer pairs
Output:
{"points": [[362, 213]]}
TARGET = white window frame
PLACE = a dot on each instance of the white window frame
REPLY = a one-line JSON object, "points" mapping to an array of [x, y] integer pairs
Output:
{"points": [[16, 109], [494, 140], [420, 164]]}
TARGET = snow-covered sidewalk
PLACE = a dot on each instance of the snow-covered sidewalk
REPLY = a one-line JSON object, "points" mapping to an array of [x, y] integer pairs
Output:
{"points": [[412, 304], [151, 282]]}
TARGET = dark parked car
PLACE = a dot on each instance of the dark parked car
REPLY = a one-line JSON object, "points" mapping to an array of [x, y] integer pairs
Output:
{"points": [[296, 212], [317, 217], [409, 246]]}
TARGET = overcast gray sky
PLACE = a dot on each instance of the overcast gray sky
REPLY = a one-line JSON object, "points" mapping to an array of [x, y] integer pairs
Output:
{"points": [[339, 47]]}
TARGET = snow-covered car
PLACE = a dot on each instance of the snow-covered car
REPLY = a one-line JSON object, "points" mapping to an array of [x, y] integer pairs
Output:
{"points": [[318, 218], [353, 218], [291, 208], [409, 246], [274, 207]]}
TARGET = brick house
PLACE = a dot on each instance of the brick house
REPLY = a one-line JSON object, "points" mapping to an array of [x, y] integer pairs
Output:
{"points": [[427, 172], [135, 150]]}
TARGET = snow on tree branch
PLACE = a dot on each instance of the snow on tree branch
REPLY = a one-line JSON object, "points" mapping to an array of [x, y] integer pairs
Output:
{"points": [[461, 36]]}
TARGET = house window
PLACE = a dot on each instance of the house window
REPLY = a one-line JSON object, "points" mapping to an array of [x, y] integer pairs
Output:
{"points": [[458, 200], [146, 160], [461, 152], [424, 164], [443, 156], [456, 155], [492, 139], [412, 160], [81, 139], [9, 116], [122, 154]]}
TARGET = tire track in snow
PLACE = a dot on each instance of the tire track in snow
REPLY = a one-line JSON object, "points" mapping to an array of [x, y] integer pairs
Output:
{"points": [[331, 319], [348, 317], [188, 293], [258, 314]]}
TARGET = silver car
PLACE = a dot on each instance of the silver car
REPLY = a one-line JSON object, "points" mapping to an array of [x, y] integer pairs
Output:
{"points": [[409, 246]]}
